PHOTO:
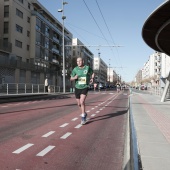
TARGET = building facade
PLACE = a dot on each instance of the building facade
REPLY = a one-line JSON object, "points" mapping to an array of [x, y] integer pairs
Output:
{"points": [[80, 50], [32, 42], [156, 68], [100, 70]]}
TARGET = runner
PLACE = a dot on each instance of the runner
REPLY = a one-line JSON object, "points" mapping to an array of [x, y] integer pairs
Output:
{"points": [[83, 76], [118, 87]]}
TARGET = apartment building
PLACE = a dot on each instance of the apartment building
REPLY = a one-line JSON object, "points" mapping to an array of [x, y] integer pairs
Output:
{"points": [[157, 67], [80, 50], [31, 44], [138, 78], [100, 70]]}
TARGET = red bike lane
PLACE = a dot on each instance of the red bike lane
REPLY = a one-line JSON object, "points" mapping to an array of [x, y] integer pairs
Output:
{"points": [[97, 145]]}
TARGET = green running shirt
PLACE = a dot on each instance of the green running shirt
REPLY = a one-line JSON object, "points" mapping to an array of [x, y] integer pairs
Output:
{"points": [[83, 76]]}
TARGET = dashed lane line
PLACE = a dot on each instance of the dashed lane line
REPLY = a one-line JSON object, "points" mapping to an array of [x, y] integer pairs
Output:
{"points": [[93, 115], [66, 135], [78, 126], [45, 151], [64, 125], [23, 148], [74, 119], [48, 134]]}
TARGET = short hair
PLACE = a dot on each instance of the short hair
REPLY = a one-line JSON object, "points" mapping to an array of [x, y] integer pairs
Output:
{"points": [[81, 58]]}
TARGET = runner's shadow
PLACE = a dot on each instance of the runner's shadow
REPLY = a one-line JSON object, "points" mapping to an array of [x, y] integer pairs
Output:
{"points": [[107, 116]]}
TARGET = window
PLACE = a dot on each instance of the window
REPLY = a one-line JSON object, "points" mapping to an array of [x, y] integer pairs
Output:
{"points": [[38, 24], [28, 47], [6, 11], [28, 33], [5, 27], [47, 30], [28, 19], [5, 42], [29, 5], [19, 58], [19, 13], [19, 28], [21, 1], [18, 43]]}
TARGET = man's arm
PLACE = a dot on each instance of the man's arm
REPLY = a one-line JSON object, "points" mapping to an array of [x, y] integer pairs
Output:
{"points": [[74, 78]]}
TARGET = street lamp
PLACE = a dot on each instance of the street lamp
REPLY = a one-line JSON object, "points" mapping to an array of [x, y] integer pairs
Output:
{"points": [[109, 71], [63, 18]]}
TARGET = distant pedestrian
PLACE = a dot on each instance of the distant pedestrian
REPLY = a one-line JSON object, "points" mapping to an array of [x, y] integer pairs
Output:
{"points": [[83, 76], [95, 86], [118, 87], [46, 84]]}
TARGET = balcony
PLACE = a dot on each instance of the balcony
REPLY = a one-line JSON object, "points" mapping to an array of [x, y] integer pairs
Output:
{"points": [[55, 61], [54, 50], [56, 40]]}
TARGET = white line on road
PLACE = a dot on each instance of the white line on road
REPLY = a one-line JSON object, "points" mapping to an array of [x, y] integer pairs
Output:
{"points": [[66, 135], [45, 151], [4, 106], [93, 115], [64, 125], [88, 111], [78, 126], [74, 119], [23, 148], [97, 111], [48, 134]]}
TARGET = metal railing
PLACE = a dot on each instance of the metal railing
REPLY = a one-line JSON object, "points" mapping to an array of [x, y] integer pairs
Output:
{"points": [[21, 88]]}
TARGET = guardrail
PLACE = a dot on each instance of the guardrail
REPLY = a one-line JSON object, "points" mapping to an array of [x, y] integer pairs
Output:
{"points": [[21, 88]]}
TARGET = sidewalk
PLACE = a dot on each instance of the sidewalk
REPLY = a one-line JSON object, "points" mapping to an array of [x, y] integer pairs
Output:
{"points": [[152, 124], [28, 96]]}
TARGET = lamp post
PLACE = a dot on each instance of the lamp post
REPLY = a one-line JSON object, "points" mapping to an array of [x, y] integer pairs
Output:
{"points": [[64, 71], [109, 71]]}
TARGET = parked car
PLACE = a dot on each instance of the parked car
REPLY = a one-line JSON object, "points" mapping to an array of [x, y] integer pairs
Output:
{"points": [[143, 87]]}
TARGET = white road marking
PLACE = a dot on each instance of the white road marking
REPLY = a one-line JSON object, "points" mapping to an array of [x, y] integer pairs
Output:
{"points": [[93, 115], [97, 111], [66, 135], [23, 148], [78, 126], [74, 119], [64, 125], [88, 111], [4, 106], [96, 106], [48, 134], [92, 108], [45, 151]]}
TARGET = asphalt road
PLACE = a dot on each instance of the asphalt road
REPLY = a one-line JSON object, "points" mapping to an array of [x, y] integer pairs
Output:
{"points": [[46, 134]]}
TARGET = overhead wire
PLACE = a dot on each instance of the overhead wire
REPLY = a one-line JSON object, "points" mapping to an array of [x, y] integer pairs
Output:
{"points": [[106, 25], [109, 32], [96, 23]]}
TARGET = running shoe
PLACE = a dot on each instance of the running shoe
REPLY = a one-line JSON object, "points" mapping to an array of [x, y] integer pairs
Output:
{"points": [[84, 119]]}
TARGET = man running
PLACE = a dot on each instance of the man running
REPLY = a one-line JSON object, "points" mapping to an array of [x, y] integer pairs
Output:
{"points": [[83, 76]]}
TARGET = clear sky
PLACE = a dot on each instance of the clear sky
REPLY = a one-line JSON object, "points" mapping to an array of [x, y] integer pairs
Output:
{"points": [[106, 23]]}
